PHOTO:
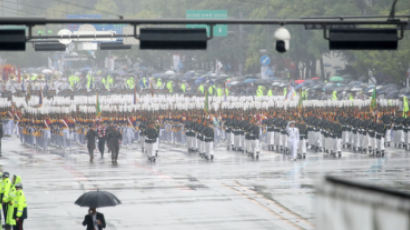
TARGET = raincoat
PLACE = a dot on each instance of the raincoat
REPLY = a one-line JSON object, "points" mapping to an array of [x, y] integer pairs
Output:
{"points": [[219, 92], [259, 91], [90, 80], [211, 90], [12, 203], [334, 95], [5, 188], [183, 87], [20, 209], [73, 79], [130, 83], [170, 86], [159, 83], [108, 82], [201, 89]]}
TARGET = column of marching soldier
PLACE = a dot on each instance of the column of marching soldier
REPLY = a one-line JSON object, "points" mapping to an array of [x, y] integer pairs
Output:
{"points": [[331, 134], [248, 132], [319, 135]]}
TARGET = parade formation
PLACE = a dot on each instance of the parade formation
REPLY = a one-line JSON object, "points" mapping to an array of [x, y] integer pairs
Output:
{"points": [[290, 119], [291, 125]]}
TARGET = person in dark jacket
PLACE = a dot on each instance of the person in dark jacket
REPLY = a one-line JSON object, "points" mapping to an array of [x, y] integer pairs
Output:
{"points": [[151, 137], [109, 130], [91, 136], [94, 220], [101, 138], [114, 138]]}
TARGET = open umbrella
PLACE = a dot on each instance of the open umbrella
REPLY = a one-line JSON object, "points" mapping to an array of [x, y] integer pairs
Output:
{"points": [[200, 80], [97, 199], [231, 83], [249, 80]]}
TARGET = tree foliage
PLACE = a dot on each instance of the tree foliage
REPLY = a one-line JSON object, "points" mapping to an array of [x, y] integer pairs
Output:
{"points": [[241, 48]]}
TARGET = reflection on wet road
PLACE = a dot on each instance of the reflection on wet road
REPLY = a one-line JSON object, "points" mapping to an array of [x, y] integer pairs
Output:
{"points": [[183, 191]]}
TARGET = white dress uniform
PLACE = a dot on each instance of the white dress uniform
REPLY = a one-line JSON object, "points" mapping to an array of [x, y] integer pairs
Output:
{"points": [[293, 140]]}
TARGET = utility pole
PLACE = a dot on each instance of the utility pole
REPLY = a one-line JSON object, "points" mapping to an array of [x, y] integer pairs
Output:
{"points": [[240, 67]]}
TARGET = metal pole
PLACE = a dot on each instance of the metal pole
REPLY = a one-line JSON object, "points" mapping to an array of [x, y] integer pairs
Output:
{"points": [[330, 21]]}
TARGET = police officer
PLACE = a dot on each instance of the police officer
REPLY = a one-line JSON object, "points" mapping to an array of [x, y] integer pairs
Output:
{"points": [[20, 206], [12, 203], [5, 188]]}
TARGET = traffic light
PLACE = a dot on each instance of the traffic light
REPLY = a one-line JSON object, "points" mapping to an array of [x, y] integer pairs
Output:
{"points": [[49, 46], [12, 39], [173, 38], [114, 46], [363, 39]]}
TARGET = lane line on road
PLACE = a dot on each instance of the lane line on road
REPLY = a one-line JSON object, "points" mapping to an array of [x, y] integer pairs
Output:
{"points": [[253, 200], [278, 204]]}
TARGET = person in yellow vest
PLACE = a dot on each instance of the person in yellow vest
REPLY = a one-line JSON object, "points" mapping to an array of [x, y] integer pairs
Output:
{"points": [[226, 92], [108, 82], [144, 82], [12, 203], [73, 80], [183, 87], [285, 91], [1, 196], [211, 89], [170, 86], [34, 77], [130, 83], [20, 207], [334, 95], [5, 188], [201, 89], [259, 91], [104, 81], [219, 92], [90, 80], [159, 83], [269, 93], [304, 94]]}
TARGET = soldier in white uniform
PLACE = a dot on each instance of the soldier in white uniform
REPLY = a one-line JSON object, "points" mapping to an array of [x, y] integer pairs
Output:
{"points": [[293, 139]]}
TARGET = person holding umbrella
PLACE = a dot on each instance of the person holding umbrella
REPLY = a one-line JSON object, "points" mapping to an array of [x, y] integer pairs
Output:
{"points": [[94, 220], [96, 199]]}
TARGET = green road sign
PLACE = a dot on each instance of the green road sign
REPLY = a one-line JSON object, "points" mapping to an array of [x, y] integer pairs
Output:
{"points": [[219, 30]]}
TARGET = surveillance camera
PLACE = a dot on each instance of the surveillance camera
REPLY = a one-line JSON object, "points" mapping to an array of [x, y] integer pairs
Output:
{"points": [[282, 37]]}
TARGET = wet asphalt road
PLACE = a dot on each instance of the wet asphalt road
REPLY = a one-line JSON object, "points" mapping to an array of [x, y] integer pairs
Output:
{"points": [[182, 191]]}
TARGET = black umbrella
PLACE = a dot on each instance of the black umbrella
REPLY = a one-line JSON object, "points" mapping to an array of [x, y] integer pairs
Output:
{"points": [[97, 199]]}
